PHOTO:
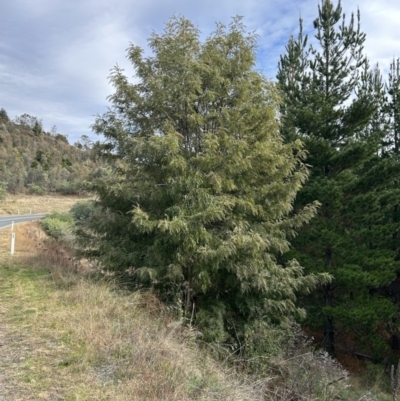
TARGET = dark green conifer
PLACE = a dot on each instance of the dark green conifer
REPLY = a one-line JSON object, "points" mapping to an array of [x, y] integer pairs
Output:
{"points": [[392, 109], [331, 98], [4, 116]]}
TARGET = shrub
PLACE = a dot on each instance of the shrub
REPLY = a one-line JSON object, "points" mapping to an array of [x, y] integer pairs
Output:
{"points": [[62, 138], [82, 211], [68, 188], [3, 191], [57, 225], [294, 368], [35, 190]]}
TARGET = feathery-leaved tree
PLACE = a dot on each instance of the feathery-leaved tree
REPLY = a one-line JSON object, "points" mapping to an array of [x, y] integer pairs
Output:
{"points": [[198, 198]]}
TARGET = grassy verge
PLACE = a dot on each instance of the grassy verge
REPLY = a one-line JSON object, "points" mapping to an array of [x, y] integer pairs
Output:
{"points": [[66, 338]]}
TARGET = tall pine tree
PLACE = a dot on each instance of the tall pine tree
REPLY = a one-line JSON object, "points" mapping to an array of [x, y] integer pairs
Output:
{"points": [[392, 109], [331, 98], [372, 215]]}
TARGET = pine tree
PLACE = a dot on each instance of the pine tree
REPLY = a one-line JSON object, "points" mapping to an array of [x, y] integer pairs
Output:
{"points": [[331, 98], [392, 109], [197, 203], [4, 116]]}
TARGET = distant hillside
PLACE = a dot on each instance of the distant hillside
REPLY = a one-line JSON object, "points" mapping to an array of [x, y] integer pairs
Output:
{"points": [[35, 161]]}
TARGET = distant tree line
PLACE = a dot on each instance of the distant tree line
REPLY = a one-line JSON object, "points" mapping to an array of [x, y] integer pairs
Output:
{"points": [[35, 161]]}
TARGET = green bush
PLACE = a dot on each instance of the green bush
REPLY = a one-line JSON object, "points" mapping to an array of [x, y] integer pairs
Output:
{"points": [[82, 211], [57, 224], [3, 191], [35, 190], [211, 322], [68, 188], [62, 138], [265, 341], [295, 369]]}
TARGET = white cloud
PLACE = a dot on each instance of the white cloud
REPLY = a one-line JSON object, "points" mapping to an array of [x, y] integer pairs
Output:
{"points": [[56, 55], [86, 62]]}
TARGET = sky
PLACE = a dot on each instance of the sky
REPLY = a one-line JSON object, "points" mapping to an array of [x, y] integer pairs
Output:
{"points": [[56, 55]]}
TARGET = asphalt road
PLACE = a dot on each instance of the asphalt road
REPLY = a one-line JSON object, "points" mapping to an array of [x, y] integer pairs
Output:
{"points": [[6, 221]]}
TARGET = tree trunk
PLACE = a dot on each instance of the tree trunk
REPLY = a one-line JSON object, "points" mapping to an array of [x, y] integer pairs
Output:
{"points": [[329, 332]]}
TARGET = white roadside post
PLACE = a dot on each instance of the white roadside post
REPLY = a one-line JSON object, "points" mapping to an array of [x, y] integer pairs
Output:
{"points": [[30, 211], [12, 226], [12, 243]]}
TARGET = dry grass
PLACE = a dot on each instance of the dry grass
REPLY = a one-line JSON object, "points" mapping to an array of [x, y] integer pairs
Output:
{"points": [[36, 204], [65, 338]]}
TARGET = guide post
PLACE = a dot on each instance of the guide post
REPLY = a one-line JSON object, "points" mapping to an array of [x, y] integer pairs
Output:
{"points": [[12, 243]]}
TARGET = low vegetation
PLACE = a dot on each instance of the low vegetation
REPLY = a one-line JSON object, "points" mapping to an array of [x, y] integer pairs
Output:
{"points": [[57, 224], [69, 334], [88, 342]]}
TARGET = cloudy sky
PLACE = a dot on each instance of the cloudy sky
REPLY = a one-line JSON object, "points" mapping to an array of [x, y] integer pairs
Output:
{"points": [[56, 55]]}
